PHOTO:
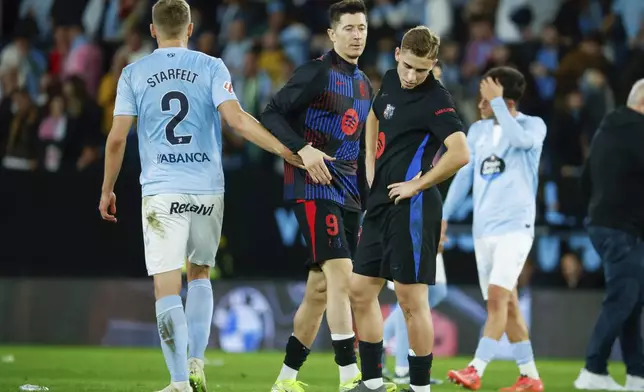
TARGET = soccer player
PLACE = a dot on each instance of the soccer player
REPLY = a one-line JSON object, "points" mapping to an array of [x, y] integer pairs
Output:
{"points": [[506, 148], [396, 328], [411, 118], [179, 97], [320, 114]]}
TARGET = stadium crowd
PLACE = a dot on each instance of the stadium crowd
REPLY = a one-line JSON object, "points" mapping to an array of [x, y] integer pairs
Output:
{"points": [[60, 61]]}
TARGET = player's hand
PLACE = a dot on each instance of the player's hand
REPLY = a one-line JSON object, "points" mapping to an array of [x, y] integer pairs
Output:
{"points": [[294, 160], [405, 190], [314, 163], [107, 206], [491, 89]]}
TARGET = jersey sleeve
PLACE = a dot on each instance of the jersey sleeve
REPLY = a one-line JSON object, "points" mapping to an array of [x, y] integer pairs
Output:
{"points": [[222, 85], [125, 103], [443, 119], [307, 82]]}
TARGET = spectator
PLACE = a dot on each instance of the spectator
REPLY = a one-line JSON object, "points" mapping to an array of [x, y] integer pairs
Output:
{"points": [[30, 62], [21, 151], [83, 135], [84, 59]]}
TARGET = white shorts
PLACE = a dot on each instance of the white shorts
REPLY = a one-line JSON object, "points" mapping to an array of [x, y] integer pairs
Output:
{"points": [[176, 227], [500, 259]]}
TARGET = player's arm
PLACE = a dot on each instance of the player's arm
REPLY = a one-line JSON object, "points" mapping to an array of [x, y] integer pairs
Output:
{"points": [[456, 156], [445, 124], [305, 85], [250, 129], [307, 82], [519, 137], [371, 145], [125, 111], [226, 102], [462, 182], [115, 150]]}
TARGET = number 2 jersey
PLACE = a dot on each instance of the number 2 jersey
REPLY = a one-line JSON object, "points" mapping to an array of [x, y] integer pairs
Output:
{"points": [[175, 93]]}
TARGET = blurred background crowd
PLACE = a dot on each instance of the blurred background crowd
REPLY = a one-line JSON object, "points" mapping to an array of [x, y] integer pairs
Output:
{"points": [[60, 61]]}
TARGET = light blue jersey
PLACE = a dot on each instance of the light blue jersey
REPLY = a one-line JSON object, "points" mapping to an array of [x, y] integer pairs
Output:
{"points": [[175, 93], [504, 167]]}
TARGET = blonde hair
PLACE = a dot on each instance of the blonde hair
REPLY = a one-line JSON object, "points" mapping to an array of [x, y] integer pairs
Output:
{"points": [[422, 42], [171, 17]]}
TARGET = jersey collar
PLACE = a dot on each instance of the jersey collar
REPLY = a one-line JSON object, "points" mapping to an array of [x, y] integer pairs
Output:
{"points": [[341, 63]]}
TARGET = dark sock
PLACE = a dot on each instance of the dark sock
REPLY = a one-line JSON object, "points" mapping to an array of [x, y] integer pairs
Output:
{"points": [[419, 369], [345, 354], [296, 353], [371, 359]]}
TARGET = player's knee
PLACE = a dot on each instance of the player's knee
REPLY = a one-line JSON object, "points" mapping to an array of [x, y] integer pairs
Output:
{"points": [[498, 299], [316, 293], [412, 297], [338, 275], [363, 291]]}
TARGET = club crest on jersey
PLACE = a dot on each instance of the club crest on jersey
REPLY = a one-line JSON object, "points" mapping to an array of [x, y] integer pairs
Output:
{"points": [[389, 111], [228, 86], [492, 167]]}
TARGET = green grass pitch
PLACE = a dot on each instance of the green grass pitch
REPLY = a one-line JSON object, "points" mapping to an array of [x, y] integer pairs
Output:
{"points": [[92, 369]]}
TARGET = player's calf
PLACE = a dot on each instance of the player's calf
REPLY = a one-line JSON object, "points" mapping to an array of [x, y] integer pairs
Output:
{"points": [[517, 331], [338, 313], [305, 327], [369, 323], [413, 302], [172, 326]]}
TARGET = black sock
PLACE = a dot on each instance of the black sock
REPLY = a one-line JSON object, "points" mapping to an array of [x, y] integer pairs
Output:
{"points": [[345, 353], [419, 369], [296, 353], [370, 360]]}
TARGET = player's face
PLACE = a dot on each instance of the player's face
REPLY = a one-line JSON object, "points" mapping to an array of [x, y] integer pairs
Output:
{"points": [[412, 70], [485, 109], [350, 35]]}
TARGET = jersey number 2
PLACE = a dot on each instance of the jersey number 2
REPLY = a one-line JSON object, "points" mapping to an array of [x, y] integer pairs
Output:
{"points": [[184, 107]]}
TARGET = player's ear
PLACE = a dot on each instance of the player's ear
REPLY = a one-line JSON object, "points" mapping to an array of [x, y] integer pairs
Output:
{"points": [[397, 54], [331, 34], [153, 32], [191, 27]]}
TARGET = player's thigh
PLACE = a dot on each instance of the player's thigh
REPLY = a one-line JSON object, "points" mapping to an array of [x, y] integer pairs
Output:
{"points": [[410, 241], [165, 232], [510, 254], [368, 259], [483, 253], [322, 226], [207, 216]]}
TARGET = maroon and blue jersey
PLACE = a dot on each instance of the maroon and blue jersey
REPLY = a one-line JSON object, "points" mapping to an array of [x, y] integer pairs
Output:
{"points": [[325, 103]]}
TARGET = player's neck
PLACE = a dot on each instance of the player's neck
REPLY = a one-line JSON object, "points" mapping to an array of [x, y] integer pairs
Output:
{"points": [[172, 43], [346, 58]]}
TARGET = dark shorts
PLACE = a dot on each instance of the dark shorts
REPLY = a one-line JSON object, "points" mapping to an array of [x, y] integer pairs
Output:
{"points": [[400, 242], [330, 231]]}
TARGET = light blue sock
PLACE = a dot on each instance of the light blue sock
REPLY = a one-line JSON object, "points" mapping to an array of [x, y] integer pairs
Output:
{"points": [[523, 353], [524, 356], [199, 305], [437, 293], [402, 342], [486, 349], [173, 331]]}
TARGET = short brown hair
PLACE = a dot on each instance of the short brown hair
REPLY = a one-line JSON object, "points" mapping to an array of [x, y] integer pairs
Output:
{"points": [[422, 42], [511, 79], [345, 7], [171, 17]]}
